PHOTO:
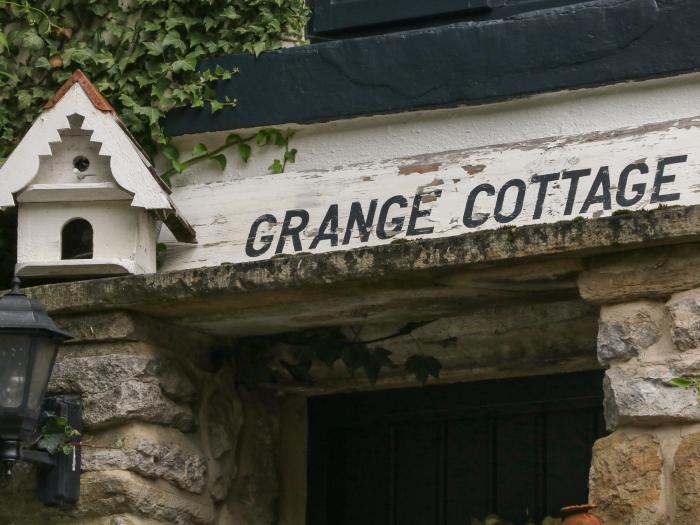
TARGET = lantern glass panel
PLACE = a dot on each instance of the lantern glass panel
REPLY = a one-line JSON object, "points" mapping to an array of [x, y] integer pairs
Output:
{"points": [[14, 362], [44, 355]]}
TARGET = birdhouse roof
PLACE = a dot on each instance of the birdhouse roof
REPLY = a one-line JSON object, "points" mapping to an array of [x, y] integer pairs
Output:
{"points": [[130, 166]]}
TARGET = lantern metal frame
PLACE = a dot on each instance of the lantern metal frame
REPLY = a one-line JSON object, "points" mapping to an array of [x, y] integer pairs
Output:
{"points": [[59, 475]]}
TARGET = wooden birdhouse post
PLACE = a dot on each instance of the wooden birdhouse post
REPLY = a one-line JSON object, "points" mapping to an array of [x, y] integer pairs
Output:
{"points": [[89, 201]]}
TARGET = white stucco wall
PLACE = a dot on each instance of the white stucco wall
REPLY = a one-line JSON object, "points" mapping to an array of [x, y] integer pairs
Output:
{"points": [[328, 146]]}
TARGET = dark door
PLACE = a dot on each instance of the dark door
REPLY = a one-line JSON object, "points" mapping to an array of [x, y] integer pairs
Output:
{"points": [[441, 455]]}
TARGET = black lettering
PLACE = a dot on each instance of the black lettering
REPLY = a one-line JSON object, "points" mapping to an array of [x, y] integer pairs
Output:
{"points": [[417, 213], [396, 221], [357, 217], [601, 182], [543, 181], [250, 249], [331, 219], [574, 175], [638, 188], [520, 197], [292, 231], [468, 221], [663, 179]]}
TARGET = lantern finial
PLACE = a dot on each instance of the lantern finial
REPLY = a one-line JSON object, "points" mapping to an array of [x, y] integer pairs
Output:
{"points": [[15, 286]]}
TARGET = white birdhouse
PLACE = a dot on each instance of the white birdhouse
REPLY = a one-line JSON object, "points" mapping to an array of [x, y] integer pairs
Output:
{"points": [[89, 201]]}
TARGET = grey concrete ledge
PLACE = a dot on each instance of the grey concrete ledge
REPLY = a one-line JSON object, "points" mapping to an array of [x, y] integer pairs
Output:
{"points": [[280, 280]]}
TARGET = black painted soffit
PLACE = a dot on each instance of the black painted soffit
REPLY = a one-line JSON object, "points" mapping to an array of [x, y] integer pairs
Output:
{"points": [[586, 44]]}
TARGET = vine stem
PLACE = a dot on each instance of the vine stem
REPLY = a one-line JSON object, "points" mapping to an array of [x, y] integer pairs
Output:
{"points": [[204, 156], [210, 154], [28, 8]]}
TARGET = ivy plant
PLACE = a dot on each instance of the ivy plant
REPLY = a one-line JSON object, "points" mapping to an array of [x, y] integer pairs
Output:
{"points": [[688, 382], [142, 55], [56, 435], [329, 347]]}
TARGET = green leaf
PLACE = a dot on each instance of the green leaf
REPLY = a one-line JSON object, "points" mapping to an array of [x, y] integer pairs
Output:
{"points": [[682, 382], [154, 48], [215, 105], [276, 166], [170, 152], [291, 155], [220, 160], [232, 138], [199, 149], [244, 151], [262, 137], [50, 442], [172, 39], [259, 47], [422, 367], [4, 44], [178, 166]]}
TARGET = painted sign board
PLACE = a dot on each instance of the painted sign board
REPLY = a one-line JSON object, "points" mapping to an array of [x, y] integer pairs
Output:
{"points": [[439, 195]]}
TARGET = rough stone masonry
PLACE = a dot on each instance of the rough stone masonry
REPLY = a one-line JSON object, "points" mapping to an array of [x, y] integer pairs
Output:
{"points": [[165, 440], [174, 435]]}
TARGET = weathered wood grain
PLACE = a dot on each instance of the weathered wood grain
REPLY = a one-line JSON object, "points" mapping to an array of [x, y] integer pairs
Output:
{"points": [[623, 171]]}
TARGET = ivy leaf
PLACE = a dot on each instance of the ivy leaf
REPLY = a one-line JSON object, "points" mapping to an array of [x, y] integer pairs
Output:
{"points": [[170, 152], [220, 159], [27, 38], [354, 357], [376, 360], [232, 138], [215, 105], [681, 382], [154, 48], [291, 155], [262, 137], [178, 166], [327, 350], [51, 442], [276, 166], [259, 47], [423, 366], [4, 44], [244, 151], [172, 39], [189, 63], [199, 149]]}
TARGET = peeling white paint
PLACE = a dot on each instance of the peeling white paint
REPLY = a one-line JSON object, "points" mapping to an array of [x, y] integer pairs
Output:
{"points": [[662, 164]]}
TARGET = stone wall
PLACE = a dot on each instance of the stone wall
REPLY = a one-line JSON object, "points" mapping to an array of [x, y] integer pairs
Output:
{"points": [[647, 471], [167, 439]]}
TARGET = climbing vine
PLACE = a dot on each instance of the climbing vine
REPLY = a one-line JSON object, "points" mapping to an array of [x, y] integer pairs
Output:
{"points": [[141, 54], [332, 346]]}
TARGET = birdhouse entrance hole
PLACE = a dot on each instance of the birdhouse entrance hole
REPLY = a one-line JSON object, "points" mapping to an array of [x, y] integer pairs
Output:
{"points": [[76, 240]]}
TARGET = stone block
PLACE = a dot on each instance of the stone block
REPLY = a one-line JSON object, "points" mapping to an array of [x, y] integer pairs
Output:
{"points": [[642, 396], [95, 374], [135, 400], [686, 480], [625, 480], [118, 492], [684, 309], [626, 329], [649, 273], [152, 451]]}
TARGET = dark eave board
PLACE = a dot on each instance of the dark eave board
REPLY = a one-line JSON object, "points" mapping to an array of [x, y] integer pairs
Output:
{"points": [[587, 44]]}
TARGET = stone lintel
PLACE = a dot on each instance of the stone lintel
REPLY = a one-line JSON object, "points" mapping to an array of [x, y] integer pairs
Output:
{"points": [[311, 279]]}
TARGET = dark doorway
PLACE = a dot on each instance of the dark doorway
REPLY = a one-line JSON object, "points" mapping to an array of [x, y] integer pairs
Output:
{"points": [[518, 448], [76, 240]]}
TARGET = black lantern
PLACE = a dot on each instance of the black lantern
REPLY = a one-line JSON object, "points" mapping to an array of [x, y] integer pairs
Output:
{"points": [[29, 341]]}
